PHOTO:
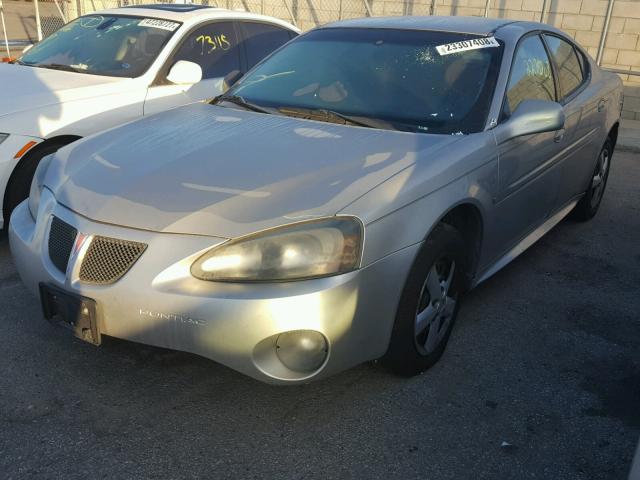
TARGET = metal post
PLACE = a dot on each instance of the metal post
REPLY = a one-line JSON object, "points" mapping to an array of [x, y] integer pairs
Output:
{"points": [[293, 19], [62, 15], [4, 29], [605, 31], [544, 10], [432, 7], [486, 8], [367, 7], [36, 10]]}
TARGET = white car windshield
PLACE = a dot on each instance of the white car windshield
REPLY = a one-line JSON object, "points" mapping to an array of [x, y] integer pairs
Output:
{"points": [[418, 81], [112, 45]]}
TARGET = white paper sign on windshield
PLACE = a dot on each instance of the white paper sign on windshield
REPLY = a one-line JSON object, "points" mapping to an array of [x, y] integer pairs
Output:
{"points": [[156, 23], [465, 45]]}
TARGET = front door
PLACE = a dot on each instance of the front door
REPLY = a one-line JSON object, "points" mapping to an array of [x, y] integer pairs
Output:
{"points": [[582, 108], [527, 174], [216, 49]]}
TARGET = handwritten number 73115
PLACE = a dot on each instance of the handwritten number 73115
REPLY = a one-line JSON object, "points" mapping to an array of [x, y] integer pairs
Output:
{"points": [[209, 43]]}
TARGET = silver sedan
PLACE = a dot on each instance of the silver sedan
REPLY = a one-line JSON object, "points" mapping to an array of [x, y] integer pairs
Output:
{"points": [[334, 205]]}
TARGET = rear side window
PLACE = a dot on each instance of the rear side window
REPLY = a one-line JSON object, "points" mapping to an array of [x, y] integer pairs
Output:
{"points": [[261, 39], [569, 67], [214, 47], [531, 75]]}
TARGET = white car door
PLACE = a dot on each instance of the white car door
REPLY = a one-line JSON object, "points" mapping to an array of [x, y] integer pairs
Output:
{"points": [[216, 48]]}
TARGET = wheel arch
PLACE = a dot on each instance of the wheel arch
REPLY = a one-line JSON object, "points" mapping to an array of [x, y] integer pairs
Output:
{"points": [[467, 218], [613, 134], [59, 141]]}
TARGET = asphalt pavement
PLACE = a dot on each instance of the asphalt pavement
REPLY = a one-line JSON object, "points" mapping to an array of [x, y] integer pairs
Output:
{"points": [[541, 380]]}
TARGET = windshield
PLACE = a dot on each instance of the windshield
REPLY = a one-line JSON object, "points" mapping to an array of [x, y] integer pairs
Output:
{"points": [[103, 45], [399, 79]]}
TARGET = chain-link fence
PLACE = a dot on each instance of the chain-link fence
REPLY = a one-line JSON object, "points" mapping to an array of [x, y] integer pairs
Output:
{"points": [[608, 29]]}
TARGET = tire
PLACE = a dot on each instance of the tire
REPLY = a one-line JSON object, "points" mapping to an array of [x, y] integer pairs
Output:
{"points": [[20, 181], [589, 204], [423, 324]]}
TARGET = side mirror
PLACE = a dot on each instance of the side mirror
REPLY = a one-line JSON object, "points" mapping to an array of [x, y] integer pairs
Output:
{"points": [[231, 79], [532, 116], [185, 73]]}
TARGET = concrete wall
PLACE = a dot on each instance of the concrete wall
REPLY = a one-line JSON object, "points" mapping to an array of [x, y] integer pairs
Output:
{"points": [[582, 19]]}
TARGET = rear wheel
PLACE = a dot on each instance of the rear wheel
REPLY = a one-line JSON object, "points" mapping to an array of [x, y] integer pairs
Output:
{"points": [[429, 303], [590, 203]]}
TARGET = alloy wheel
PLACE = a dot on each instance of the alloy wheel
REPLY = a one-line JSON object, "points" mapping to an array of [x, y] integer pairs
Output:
{"points": [[436, 306], [599, 178]]}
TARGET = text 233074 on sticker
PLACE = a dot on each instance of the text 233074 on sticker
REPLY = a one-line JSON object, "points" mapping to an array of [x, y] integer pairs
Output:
{"points": [[465, 45]]}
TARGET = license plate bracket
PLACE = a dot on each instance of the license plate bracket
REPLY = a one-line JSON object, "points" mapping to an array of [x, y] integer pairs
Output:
{"points": [[75, 312]]}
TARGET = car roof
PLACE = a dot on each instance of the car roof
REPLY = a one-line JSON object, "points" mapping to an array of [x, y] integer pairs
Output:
{"points": [[473, 25], [187, 13], [170, 7]]}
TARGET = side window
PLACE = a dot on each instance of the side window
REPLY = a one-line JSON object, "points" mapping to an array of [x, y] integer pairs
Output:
{"points": [[531, 75], [570, 75], [261, 39], [214, 47]]}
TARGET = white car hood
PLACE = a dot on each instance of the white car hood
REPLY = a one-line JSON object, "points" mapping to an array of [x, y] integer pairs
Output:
{"points": [[224, 172], [29, 88]]}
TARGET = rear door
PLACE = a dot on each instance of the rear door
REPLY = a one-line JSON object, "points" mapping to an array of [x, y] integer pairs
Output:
{"points": [[260, 40], [215, 47]]}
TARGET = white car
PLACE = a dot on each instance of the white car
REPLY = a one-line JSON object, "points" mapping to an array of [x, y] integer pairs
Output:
{"points": [[111, 67]]}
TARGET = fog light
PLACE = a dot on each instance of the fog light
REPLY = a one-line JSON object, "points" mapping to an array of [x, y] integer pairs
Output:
{"points": [[302, 350]]}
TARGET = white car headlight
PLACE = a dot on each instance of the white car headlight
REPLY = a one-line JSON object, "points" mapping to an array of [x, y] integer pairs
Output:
{"points": [[304, 250], [37, 185], [3, 137]]}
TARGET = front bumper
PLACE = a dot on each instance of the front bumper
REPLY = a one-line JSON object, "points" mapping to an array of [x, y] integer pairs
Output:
{"points": [[159, 303]]}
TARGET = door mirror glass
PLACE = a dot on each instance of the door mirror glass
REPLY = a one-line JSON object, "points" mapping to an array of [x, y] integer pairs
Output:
{"points": [[185, 73], [532, 116]]}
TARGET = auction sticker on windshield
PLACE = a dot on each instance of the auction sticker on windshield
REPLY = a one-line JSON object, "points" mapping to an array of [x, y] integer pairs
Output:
{"points": [[162, 24], [465, 45]]}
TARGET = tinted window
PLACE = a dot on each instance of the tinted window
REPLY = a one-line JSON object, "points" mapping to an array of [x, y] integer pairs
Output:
{"points": [[103, 45], [569, 66], [214, 47], [531, 75], [398, 78], [261, 39]]}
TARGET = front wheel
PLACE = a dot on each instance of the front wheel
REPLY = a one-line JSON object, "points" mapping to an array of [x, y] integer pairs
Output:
{"points": [[589, 204], [429, 303]]}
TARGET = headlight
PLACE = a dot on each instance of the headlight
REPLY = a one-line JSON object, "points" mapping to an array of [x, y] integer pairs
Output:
{"points": [[36, 185], [3, 137], [304, 250]]}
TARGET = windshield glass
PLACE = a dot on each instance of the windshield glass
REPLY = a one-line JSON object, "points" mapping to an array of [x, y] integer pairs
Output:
{"points": [[103, 45], [397, 78]]}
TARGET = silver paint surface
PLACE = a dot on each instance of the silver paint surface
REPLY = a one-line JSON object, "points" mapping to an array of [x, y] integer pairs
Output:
{"points": [[187, 180]]}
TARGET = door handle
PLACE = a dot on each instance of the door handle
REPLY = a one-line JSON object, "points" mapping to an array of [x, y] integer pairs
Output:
{"points": [[601, 104], [559, 136]]}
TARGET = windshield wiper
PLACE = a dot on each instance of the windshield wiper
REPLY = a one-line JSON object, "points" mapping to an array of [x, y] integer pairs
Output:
{"points": [[331, 116], [59, 66], [241, 102]]}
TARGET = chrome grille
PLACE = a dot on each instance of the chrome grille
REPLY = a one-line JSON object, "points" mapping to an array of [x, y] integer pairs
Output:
{"points": [[108, 259], [61, 239]]}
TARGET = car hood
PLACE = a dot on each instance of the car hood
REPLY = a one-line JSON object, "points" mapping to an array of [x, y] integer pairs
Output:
{"points": [[25, 88], [224, 172]]}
